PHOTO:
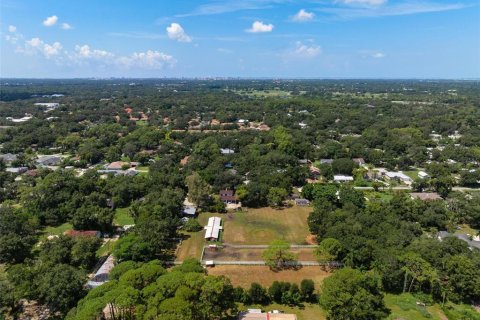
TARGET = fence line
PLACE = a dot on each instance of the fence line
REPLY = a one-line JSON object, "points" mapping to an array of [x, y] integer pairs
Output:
{"points": [[263, 246]]}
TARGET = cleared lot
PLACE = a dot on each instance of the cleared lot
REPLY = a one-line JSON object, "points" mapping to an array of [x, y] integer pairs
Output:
{"points": [[263, 225]]}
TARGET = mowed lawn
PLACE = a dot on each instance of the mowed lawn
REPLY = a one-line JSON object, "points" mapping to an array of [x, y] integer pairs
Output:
{"points": [[122, 217], [263, 225]]}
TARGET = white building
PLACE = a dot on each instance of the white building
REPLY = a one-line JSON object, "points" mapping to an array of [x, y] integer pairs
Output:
{"points": [[399, 175], [212, 230], [342, 178]]}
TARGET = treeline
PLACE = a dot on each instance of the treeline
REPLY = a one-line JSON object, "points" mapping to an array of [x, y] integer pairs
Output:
{"points": [[398, 241]]}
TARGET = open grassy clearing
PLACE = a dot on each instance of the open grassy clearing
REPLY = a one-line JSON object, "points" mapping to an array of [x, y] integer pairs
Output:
{"points": [[55, 231], [466, 229], [236, 254], [122, 217], [412, 173], [384, 196], [263, 225], [243, 276], [106, 248]]}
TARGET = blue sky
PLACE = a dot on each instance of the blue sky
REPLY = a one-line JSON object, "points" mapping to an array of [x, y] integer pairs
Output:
{"points": [[240, 38]]}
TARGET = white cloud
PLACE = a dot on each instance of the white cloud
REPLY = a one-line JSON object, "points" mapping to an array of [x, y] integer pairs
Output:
{"points": [[66, 26], [86, 53], [34, 42], [305, 51], [36, 45], [303, 16], [362, 2], [147, 60], [12, 29], [378, 55], [50, 21], [52, 50], [259, 26], [176, 32]]}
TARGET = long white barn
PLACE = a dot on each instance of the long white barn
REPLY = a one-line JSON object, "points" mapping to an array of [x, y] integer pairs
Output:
{"points": [[212, 230]]}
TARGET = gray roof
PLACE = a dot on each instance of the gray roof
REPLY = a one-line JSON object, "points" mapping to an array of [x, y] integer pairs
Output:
{"points": [[471, 243], [49, 160], [8, 157], [189, 210]]}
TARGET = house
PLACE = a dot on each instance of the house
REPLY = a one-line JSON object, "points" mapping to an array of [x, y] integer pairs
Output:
{"points": [[399, 176], [228, 196], [101, 276], [119, 165], [189, 211], [50, 160], [212, 230], [226, 151], [425, 196], [342, 178], [8, 157], [359, 161], [302, 125], [302, 202], [83, 233], [314, 172], [17, 170]]}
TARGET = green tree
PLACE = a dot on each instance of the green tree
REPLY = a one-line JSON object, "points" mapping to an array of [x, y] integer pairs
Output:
{"points": [[329, 250], [198, 189], [417, 270], [278, 254], [350, 294], [257, 294], [60, 286], [307, 289], [276, 196]]}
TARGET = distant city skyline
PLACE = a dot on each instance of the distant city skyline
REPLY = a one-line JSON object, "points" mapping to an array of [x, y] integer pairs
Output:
{"points": [[240, 39]]}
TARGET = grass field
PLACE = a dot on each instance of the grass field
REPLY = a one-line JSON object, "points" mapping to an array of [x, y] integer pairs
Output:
{"points": [[122, 217], [106, 248], [466, 229], [261, 226], [384, 196], [412, 173], [240, 254], [243, 276], [55, 231]]}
